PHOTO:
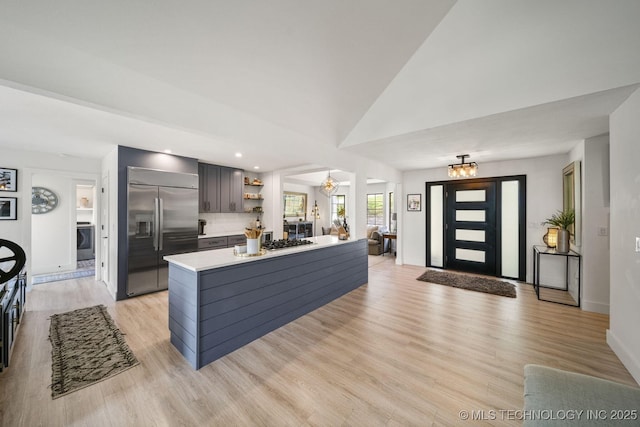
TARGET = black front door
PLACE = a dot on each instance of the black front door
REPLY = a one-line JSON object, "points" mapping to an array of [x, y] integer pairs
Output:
{"points": [[471, 227]]}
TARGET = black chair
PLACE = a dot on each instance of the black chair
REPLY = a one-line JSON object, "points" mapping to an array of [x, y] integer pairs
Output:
{"points": [[12, 260]]}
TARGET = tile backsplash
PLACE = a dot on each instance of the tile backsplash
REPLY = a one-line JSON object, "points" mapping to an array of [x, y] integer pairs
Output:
{"points": [[231, 223]]}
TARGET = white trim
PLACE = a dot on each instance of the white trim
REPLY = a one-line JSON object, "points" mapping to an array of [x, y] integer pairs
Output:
{"points": [[595, 307], [626, 357]]}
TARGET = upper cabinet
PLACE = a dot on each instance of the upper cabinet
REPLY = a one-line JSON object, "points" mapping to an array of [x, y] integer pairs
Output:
{"points": [[209, 188], [220, 188], [230, 190]]}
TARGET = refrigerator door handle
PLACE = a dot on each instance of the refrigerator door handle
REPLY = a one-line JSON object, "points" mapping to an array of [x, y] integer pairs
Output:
{"points": [[161, 223], [156, 220]]}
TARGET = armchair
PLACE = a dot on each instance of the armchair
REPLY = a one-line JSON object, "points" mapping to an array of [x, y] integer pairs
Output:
{"points": [[375, 240]]}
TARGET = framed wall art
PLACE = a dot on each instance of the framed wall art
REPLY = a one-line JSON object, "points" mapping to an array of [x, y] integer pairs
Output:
{"points": [[8, 179], [8, 208], [414, 202]]}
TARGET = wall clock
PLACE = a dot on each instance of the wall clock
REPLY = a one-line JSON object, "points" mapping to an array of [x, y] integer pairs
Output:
{"points": [[43, 200]]}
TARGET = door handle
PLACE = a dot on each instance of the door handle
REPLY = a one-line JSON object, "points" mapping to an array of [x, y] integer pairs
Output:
{"points": [[161, 223], [156, 219]]}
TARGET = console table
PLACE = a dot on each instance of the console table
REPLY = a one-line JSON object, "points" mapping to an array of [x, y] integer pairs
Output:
{"points": [[538, 252], [12, 300], [390, 236]]}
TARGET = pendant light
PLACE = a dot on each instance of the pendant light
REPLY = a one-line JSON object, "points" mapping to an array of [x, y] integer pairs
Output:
{"points": [[462, 169], [329, 186]]}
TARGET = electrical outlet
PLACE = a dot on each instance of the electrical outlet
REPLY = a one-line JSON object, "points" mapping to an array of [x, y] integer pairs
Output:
{"points": [[603, 231], [637, 244]]}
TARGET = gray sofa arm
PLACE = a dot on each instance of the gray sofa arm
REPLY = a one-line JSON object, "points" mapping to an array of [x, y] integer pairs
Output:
{"points": [[376, 236], [553, 397]]}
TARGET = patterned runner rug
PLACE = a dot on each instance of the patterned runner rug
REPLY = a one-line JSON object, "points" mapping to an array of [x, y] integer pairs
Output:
{"points": [[471, 283], [87, 347]]}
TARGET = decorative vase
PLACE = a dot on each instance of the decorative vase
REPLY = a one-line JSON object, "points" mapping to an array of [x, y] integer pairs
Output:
{"points": [[253, 246], [563, 246]]}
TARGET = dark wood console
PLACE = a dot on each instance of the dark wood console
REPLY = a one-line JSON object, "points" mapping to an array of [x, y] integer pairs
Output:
{"points": [[12, 301]]}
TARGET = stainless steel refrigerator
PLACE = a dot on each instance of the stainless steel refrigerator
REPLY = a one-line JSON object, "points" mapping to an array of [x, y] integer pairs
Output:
{"points": [[162, 220]]}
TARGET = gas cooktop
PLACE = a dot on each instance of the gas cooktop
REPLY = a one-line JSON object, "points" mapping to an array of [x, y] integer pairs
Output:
{"points": [[284, 243]]}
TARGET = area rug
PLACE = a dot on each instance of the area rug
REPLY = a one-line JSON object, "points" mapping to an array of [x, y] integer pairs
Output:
{"points": [[87, 347], [471, 283]]}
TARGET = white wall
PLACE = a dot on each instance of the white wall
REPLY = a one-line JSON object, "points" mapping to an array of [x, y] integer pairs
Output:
{"points": [[28, 163], [595, 225], [623, 336], [53, 234], [544, 197]]}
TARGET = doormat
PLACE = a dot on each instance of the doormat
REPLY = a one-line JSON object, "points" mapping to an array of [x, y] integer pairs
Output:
{"points": [[87, 347], [471, 283]]}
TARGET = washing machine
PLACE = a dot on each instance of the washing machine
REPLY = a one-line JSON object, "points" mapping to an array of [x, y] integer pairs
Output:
{"points": [[86, 241]]}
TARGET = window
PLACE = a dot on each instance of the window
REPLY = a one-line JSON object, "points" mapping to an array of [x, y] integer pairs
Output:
{"points": [[375, 209], [338, 207]]}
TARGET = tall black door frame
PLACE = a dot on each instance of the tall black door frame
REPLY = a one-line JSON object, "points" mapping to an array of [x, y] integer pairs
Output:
{"points": [[522, 211]]}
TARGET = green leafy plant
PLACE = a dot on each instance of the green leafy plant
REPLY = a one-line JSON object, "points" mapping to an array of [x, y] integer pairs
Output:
{"points": [[562, 219]]}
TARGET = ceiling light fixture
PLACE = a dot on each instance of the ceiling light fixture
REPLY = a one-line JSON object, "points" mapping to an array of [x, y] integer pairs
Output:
{"points": [[256, 167], [462, 169], [167, 151], [238, 154], [329, 186]]}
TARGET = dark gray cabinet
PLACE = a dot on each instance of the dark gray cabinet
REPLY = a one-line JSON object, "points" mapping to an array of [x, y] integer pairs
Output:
{"points": [[208, 243], [220, 189], [231, 186], [209, 188], [238, 239], [216, 311], [298, 230], [220, 242], [12, 300]]}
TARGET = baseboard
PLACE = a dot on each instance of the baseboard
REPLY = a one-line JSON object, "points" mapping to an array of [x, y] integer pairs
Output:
{"points": [[596, 307], [53, 269], [627, 358], [111, 291]]}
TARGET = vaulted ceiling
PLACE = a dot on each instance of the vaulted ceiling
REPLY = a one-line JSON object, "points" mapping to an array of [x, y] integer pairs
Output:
{"points": [[407, 84]]}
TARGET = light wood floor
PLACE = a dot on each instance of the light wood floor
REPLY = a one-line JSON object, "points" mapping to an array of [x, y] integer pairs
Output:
{"points": [[395, 352]]}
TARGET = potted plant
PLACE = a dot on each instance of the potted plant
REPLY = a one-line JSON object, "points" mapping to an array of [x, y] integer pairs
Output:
{"points": [[563, 220]]}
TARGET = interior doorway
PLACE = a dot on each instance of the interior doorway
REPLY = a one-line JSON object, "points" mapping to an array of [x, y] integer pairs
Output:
{"points": [[63, 240], [478, 225]]}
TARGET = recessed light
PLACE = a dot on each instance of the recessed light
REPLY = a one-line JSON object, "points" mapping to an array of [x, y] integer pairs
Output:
{"points": [[238, 154], [167, 151], [256, 167]]}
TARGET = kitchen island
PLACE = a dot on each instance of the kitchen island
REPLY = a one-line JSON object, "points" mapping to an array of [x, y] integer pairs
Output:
{"points": [[219, 302]]}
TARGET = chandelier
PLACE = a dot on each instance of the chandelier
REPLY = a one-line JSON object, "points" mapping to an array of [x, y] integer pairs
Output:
{"points": [[329, 186], [462, 169]]}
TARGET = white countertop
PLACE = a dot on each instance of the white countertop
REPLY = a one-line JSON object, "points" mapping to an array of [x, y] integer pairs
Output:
{"points": [[207, 260]]}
